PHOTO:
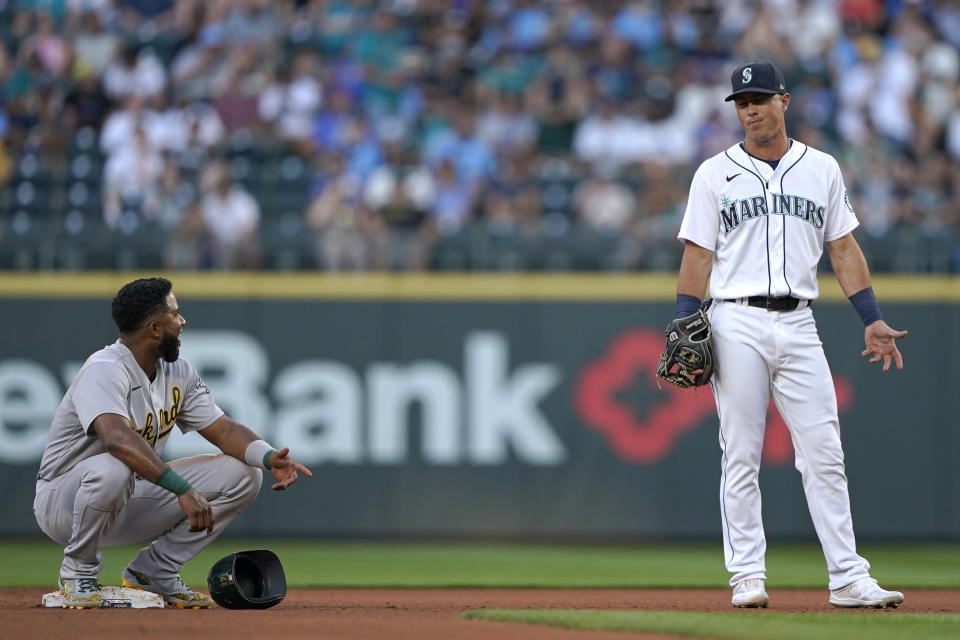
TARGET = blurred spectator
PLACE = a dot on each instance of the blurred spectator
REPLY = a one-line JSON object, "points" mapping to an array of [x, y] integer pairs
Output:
{"points": [[291, 102], [762, 39], [559, 99], [257, 23], [330, 126], [231, 218], [86, 104], [237, 104], [516, 188], [361, 148], [94, 47], [529, 25], [187, 123], [380, 46], [471, 155], [613, 73], [505, 127], [602, 203], [940, 72], [119, 127], [49, 47], [188, 247], [5, 164], [137, 72], [131, 177], [201, 67], [602, 136], [453, 200], [174, 197], [135, 14], [341, 226], [191, 157], [401, 224], [27, 74], [952, 133]]}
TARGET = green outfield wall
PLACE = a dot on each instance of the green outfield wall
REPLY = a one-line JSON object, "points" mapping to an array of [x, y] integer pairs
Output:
{"points": [[496, 406]]}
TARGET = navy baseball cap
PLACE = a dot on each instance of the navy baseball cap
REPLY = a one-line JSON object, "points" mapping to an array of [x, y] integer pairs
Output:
{"points": [[756, 77]]}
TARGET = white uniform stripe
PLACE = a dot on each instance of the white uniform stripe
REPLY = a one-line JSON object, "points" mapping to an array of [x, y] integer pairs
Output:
{"points": [[723, 476], [764, 187], [782, 176]]}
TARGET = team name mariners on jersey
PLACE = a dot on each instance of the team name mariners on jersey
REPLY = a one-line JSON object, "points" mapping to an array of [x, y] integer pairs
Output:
{"points": [[733, 213]]}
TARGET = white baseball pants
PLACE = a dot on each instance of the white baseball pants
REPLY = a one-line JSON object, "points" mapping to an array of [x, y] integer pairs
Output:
{"points": [[102, 503], [760, 353]]}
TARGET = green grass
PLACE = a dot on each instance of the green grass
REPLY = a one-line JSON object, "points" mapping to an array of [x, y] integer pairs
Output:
{"points": [[384, 564], [875, 625]]}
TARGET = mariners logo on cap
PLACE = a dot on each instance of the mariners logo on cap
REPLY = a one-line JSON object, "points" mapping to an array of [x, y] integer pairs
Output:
{"points": [[756, 77]]}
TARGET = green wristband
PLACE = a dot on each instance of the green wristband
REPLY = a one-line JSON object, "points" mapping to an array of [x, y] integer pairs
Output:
{"points": [[172, 482], [266, 458]]}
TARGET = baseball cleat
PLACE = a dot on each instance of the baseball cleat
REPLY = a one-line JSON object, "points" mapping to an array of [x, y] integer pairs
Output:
{"points": [[175, 593], [82, 593], [865, 592], [750, 593]]}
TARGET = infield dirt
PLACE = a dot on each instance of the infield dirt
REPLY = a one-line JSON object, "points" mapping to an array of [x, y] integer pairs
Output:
{"points": [[404, 614]]}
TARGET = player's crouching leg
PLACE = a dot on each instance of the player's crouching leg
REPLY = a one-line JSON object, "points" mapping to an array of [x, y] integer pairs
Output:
{"points": [[98, 489], [228, 484], [105, 483]]}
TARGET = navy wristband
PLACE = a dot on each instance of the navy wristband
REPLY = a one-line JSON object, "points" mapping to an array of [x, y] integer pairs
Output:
{"points": [[865, 302], [687, 305]]}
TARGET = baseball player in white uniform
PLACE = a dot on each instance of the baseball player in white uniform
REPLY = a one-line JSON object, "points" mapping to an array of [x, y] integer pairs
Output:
{"points": [[758, 217], [102, 481]]}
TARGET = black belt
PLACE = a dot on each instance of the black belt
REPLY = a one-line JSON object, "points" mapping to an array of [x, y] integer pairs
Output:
{"points": [[783, 303]]}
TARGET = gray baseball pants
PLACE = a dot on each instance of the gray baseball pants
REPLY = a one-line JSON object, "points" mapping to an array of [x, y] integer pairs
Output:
{"points": [[102, 503]]}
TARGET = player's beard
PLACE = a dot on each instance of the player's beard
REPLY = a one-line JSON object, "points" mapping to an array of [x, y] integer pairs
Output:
{"points": [[169, 347]]}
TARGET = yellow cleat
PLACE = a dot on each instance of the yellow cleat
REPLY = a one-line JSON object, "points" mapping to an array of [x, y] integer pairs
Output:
{"points": [[82, 593], [175, 593]]}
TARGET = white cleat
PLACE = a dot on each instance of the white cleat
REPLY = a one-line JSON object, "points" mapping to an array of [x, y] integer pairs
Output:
{"points": [[750, 593], [865, 592]]}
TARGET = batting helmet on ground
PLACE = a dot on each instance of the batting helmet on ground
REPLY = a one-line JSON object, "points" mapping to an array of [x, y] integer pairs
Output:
{"points": [[247, 580]]}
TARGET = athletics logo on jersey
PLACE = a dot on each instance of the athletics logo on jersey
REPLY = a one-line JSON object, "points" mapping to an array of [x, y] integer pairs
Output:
{"points": [[734, 213], [201, 386]]}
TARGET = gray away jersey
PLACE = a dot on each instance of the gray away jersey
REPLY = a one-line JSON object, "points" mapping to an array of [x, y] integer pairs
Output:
{"points": [[111, 381]]}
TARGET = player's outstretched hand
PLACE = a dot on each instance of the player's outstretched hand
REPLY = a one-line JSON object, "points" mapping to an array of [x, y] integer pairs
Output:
{"points": [[198, 510], [881, 344], [285, 469]]}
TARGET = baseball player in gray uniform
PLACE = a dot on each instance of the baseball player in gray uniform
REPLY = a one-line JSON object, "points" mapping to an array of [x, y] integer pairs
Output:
{"points": [[758, 217], [102, 481]]}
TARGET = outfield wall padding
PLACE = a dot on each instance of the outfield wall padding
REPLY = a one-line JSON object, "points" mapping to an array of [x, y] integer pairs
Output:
{"points": [[509, 418]]}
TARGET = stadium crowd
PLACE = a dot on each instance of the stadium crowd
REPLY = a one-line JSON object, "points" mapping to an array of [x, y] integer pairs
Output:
{"points": [[449, 134]]}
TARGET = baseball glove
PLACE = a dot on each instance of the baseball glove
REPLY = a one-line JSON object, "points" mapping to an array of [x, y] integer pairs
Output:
{"points": [[688, 359]]}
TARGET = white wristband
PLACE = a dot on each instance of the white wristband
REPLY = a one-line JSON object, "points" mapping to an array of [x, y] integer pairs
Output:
{"points": [[257, 453]]}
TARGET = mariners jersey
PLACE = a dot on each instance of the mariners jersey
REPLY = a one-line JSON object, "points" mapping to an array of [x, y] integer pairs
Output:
{"points": [[111, 381], [766, 227]]}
